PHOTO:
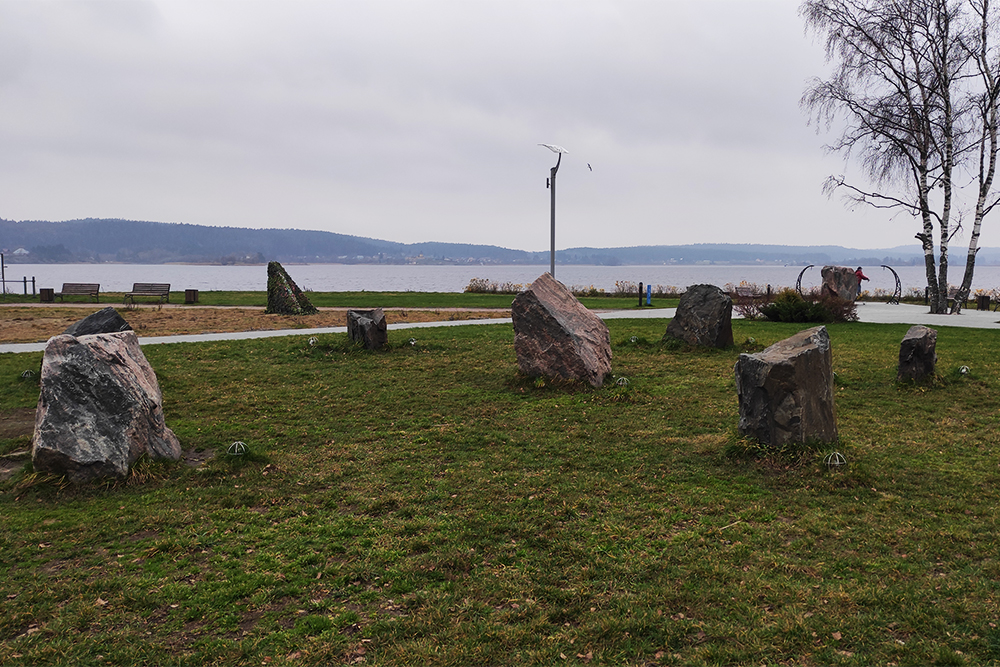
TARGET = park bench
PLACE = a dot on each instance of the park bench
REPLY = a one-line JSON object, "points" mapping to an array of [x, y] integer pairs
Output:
{"points": [[952, 291], [159, 290], [80, 289], [746, 293]]}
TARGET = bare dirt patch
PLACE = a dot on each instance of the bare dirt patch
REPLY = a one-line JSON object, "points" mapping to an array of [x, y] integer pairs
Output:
{"points": [[9, 466], [16, 428], [16, 423], [32, 324]]}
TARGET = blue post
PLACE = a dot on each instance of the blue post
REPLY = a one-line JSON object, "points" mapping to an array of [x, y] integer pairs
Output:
{"points": [[649, 295]]}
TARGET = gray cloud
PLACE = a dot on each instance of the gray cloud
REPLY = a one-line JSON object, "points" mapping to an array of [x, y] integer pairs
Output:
{"points": [[420, 121]]}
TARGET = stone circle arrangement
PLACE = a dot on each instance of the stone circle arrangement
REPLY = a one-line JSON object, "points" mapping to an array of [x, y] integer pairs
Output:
{"points": [[785, 392]]}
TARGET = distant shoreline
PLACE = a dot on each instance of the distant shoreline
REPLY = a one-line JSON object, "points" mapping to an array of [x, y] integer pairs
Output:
{"points": [[119, 277]]}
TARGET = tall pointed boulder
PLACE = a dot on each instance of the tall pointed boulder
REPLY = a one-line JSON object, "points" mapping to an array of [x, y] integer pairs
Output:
{"points": [[283, 296]]}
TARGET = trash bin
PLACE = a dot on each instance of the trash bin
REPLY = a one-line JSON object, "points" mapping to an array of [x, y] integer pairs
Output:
{"points": [[47, 294], [190, 296], [982, 302]]}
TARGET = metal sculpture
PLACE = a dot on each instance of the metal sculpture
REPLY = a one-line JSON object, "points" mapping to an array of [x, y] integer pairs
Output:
{"points": [[798, 281], [898, 293]]}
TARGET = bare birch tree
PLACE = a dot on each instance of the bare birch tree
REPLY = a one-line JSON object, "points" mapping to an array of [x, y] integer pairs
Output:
{"points": [[915, 86]]}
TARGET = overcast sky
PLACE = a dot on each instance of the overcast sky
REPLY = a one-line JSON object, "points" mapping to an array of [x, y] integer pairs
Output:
{"points": [[419, 120]]}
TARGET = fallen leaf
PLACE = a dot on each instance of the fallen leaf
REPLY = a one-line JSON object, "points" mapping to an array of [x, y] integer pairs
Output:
{"points": [[295, 656], [837, 636], [586, 657], [562, 655], [101, 602]]}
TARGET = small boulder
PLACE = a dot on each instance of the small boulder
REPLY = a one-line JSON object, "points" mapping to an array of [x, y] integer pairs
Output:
{"points": [[100, 408], [283, 296], [704, 317], [555, 336], [840, 281], [368, 328], [917, 354], [106, 320], [786, 392]]}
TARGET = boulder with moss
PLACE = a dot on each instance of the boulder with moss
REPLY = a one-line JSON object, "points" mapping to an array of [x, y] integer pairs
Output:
{"points": [[283, 296]]}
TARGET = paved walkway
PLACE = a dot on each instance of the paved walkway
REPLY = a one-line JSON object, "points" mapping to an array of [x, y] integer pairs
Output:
{"points": [[876, 313]]}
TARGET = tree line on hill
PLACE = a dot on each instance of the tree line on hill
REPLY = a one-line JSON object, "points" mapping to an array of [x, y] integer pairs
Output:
{"points": [[138, 242]]}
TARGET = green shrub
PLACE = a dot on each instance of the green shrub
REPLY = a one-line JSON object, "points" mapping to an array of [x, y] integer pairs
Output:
{"points": [[790, 306]]}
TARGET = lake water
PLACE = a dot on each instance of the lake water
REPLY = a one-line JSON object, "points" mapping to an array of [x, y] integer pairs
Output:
{"points": [[399, 278]]}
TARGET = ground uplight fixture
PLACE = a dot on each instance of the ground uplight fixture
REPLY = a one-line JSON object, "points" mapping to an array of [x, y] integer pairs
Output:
{"points": [[551, 185], [835, 461]]}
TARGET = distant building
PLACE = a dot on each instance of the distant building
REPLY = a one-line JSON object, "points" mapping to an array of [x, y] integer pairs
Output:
{"points": [[21, 251]]}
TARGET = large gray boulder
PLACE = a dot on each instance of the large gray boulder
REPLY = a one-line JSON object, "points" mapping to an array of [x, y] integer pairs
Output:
{"points": [[840, 281], [704, 317], [555, 336], [917, 354], [368, 328], [786, 392], [106, 320], [100, 408]]}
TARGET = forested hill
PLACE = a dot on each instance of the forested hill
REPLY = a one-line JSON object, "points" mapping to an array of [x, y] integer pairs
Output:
{"points": [[100, 240], [113, 240]]}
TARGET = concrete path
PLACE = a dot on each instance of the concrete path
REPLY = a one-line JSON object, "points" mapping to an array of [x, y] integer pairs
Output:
{"points": [[876, 313]]}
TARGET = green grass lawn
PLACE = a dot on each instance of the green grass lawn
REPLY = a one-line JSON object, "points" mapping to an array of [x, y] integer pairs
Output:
{"points": [[427, 505]]}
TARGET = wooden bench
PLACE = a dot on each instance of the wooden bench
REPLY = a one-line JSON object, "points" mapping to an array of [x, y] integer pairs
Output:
{"points": [[159, 290], [745, 293], [952, 291], [80, 289]]}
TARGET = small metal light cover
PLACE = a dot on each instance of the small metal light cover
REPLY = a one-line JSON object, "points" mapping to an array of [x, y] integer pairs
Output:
{"points": [[834, 460]]}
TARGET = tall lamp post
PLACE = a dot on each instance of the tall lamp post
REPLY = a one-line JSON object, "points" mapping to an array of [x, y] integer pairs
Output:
{"points": [[551, 184]]}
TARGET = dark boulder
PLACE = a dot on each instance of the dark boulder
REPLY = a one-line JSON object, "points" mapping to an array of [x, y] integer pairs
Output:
{"points": [[555, 336], [368, 328], [704, 317], [786, 391], [100, 408], [106, 320], [917, 354]]}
